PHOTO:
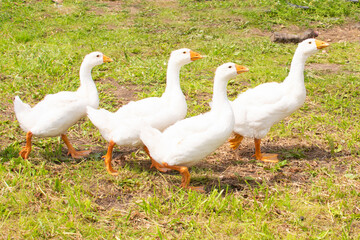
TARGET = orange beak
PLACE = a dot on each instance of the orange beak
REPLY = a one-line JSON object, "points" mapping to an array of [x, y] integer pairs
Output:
{"points": [[321, 44], [241, 69], [194, 56], [107, 59]]}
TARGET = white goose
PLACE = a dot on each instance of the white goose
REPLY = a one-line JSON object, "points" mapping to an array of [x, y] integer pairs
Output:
{"points": [[57, 112], [123, 127], [188, 141], [257, 109]]}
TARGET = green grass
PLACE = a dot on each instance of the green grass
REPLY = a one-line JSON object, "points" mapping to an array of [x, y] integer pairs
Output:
{"points": [[313, 193]]}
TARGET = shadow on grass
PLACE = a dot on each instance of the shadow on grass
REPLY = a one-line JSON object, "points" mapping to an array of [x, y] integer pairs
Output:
{"points": [[235, 171], [9, 152], [294, 152], [226, 170]]}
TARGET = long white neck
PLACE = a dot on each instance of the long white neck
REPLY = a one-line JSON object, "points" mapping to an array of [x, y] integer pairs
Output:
{"points": [[85, 76], [295, 79], [87, 87], [172, 80], [219, 99]]}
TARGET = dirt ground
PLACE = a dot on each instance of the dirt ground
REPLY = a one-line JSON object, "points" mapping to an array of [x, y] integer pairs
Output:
{"points": [[345, 33]]}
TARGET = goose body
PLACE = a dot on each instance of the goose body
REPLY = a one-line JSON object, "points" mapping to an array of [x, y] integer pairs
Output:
{"points": [[258, 109], [57, 112], [188, 141], [123, 126], [53, 115]]}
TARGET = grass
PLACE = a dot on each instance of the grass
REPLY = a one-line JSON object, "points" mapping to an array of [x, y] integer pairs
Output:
{"points": [[313, 193]]}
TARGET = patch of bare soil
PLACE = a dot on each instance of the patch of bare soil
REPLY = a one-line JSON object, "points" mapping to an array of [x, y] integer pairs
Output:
{"points": [[256, 32], [123, 92], [324, 67], [166, 3], [349, 32], [120, 195], [200, 97], [117, 6], [7, 115], [346, 33], [112, 6], [108, 195], [8, 111]]}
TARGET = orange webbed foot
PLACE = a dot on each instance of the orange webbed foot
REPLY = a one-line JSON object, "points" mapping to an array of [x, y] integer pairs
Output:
{"points": [[109, 167], [233, 145], [184, 171], [24, 153], [71, 149], [108, 159], [154, 163], [265, 157], [79, 154], [158, 166], [235, 142], [268, 157]]}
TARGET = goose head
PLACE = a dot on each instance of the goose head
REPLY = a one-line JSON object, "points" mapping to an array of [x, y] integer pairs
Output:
{"points": [[311, 45], [229, 70], [184, 56], [95, 58]]}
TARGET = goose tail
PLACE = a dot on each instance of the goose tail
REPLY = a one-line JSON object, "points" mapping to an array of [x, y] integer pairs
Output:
{"points": [[21, 109], [99, 117], [151, 138]]}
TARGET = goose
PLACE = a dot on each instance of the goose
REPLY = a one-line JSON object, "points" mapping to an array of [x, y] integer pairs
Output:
{"points": [[57, 112], [185, 143], [123, 126], [257, 109]]}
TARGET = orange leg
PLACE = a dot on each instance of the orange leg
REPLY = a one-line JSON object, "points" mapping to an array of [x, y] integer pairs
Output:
{"points": [[108, 158], [235, 142], [25, 151], [71, 149], [154, 163], [185, 181], [265, 157]]}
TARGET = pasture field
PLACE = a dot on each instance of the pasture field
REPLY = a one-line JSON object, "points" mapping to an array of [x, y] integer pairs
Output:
{"points": [[312, 193]]}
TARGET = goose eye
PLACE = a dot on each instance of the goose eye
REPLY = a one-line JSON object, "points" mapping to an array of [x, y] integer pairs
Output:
{"points": [[98, 55], [229, 66], [184, 52], [309, 42]]}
